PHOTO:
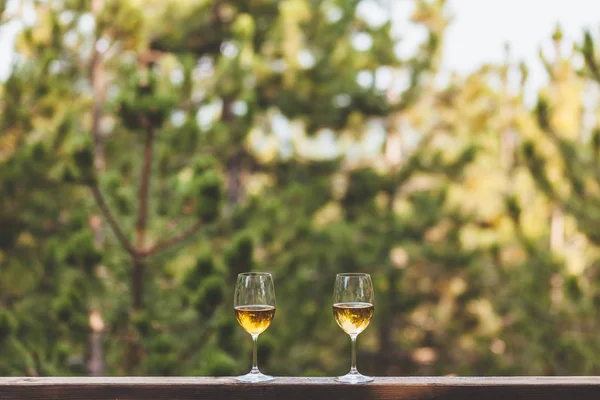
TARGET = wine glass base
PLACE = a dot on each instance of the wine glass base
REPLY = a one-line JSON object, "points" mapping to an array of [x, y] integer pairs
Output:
{"points": [[254, 377], [354, 378]]}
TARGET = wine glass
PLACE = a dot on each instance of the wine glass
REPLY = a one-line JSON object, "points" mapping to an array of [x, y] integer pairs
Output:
{"points": [[254, 305], [353, 309]]}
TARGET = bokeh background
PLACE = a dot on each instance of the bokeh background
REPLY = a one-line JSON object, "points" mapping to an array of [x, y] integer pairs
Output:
{"points": [[151, 150]]}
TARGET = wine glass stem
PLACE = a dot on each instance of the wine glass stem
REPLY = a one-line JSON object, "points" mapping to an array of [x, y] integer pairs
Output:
{"points": [[353, 366], [254, 357]]}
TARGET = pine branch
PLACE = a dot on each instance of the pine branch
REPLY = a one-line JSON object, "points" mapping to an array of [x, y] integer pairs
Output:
{"points": [[594, 69], [570, 157], [590, 56], [168, 243], [182, 236], [570, 204], [108, 215]]}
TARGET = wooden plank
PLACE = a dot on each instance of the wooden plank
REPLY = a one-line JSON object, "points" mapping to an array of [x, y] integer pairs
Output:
{"points": [[288, 388]]}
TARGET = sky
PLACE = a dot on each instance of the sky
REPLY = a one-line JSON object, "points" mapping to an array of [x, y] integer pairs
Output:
{"points": [[477, 35], [482, 27]]}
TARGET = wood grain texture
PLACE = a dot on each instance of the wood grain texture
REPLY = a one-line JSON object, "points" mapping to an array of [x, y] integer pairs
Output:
{"points": [[287, 388]]}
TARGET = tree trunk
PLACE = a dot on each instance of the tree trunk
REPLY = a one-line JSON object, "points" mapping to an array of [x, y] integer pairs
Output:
{"points": [[134, 351], [137, 284], [96, 359], [97, 81], [138, 270]]}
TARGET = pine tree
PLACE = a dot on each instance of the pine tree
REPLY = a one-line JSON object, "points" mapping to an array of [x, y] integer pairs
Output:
{"points": [[563, 161]]}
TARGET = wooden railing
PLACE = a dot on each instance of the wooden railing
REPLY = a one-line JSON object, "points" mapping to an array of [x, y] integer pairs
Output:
{"points": [[441, 388]]}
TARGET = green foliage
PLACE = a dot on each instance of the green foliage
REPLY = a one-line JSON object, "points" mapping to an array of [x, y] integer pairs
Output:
{"points": [[162, 359], [588, 48], [205, 267], [142, 322], [209, 195], [8, 325], [144, 104], [542, 110], [219, 364], [209, 295], [363, 186], [238, 255], [80, 251], [227, 327]]}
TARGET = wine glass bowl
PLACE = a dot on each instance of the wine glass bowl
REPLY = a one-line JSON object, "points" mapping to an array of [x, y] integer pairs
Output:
{"points": [[353, 309], [255, 319], [353, 317], [254, 306]]}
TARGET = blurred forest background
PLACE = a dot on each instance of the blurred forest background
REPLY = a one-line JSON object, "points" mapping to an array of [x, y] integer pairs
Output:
{"points": [[150, 150]]}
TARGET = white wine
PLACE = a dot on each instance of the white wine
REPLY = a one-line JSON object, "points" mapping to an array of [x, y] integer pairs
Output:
{"points": [[256, 318], [353, 317]]}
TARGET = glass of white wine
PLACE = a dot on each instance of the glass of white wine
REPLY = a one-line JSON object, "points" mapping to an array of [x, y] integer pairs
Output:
{"points": [[254, 305], [353, 309]]}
